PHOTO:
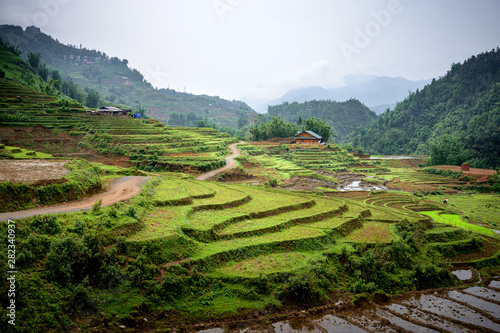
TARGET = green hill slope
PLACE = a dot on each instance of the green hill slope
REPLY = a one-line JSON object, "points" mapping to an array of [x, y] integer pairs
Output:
{"points": [[460, 109], [31, 118], [118, 83], [343, 117]]}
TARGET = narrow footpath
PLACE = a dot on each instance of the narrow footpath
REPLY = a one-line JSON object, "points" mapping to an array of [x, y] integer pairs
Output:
{"points": [[120, 189], [229, 163]]}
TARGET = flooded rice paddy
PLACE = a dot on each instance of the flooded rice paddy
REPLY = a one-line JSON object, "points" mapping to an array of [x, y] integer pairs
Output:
{"points": [[473, 309]]}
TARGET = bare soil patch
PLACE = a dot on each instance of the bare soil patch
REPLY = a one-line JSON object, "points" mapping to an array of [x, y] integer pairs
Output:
{"points": [[121, 161], [32, 172], [472, 171]]}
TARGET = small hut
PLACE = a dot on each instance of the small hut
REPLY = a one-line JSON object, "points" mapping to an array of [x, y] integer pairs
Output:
{"points": [[308, 138]]}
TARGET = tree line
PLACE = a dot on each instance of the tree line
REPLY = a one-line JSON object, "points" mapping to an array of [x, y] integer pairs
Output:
{"points": [[278, 127]]}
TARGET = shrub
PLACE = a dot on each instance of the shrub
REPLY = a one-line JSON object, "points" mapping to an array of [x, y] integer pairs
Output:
{"points": [[78, 228], [131, 211], [45, 224], [96, 207], [60, 260], [430, 276]]}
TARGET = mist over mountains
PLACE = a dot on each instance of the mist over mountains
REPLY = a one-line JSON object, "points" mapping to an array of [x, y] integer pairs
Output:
{"points": [[376, 92]]}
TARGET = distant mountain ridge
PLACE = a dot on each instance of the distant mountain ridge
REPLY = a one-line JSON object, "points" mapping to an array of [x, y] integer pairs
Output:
{"points": [[117, 83], [371, 90], [459, 113]]}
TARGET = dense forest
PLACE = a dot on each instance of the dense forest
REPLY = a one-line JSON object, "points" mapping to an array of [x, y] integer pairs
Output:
{"points": [[456, 117], [343, 117]]}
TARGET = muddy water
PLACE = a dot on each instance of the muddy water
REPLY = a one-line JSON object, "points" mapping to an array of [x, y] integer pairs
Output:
{"points": [[407, 325], [455, 311], [463, 274], [494, 284], [416, 315], [336, 324], [359, 185], [478, 303], [484, 292]]}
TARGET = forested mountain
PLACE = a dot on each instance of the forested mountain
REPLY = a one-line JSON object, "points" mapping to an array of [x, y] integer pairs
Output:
{"points": [[117, 83], [343, 117], [460, 109]]}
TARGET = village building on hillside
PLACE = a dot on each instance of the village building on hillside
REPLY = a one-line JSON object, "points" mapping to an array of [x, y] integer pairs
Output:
{"points": [[108, 111], [308, 138]]}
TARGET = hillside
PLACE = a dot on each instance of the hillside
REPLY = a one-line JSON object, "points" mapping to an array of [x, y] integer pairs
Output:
{"points": [[52, 123], [116, 82], [461, 108], [343, 117], [294, 238]]}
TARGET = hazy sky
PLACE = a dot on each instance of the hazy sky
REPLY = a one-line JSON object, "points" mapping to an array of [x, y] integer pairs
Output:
{"points": [[259, 49]]}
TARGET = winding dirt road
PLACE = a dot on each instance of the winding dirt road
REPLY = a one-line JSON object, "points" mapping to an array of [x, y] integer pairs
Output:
{"points": [[229, 163], [120, 189]]}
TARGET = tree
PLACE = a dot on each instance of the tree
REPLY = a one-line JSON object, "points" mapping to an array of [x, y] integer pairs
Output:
{"points": [[191, 119], [34, 60], [141, 110], [43, 71], [56, 78], [447, 150], [242, 122], [92, 100], [276, 127], [318, 126], [299, 121]]}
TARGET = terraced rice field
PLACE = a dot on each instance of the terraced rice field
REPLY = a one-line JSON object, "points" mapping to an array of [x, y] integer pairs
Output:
{"points": [[232, 225]]}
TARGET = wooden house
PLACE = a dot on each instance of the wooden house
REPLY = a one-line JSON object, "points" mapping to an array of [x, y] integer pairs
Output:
{"points": [[308, 138]]}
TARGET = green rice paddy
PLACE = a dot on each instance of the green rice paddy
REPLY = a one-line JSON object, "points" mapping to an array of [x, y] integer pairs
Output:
{"points": [[456, 221]]}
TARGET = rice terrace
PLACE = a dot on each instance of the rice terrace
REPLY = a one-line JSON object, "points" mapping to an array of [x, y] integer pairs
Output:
{"points": [[114, 221]]}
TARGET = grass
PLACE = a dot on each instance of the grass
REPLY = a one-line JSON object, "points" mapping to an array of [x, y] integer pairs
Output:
{"points": [[19, 153], [263, 199], [206, 219], [372, 232], [455, 220], [162, 222], [224, 195], [294, 233], [440, 230], [267, 264], [252, 225], [329, 223], [321, 206], [170, 190]]}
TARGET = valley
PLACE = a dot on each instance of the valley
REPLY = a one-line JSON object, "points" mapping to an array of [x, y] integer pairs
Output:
{"points": [[232, 222]]}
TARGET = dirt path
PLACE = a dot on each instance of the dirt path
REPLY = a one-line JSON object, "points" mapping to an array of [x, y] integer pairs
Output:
{"points": [[120, 189], [229, 160]]}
